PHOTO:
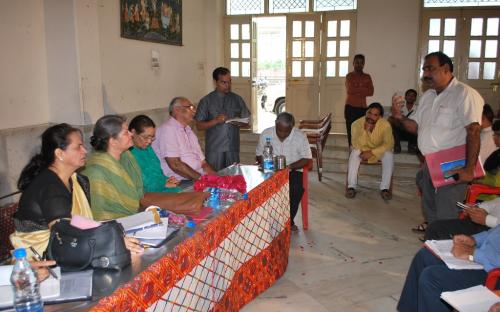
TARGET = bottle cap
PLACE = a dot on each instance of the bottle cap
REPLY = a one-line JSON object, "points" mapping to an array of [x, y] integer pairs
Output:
{"points": [[245, 196], [191, 224], [20, 253]]}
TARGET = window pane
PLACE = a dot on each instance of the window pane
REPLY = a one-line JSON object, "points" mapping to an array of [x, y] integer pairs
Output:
{"points": [[296, 70], [309, 49], [297, 29], [489, 70], [297, 49], [459, 3], [309, 29], [450, 26], [492, 28], [238, 7], [490, 48], [344, 48], [235, 69], [475, 48], [449, 48], [473, 70], [235, 52], [245, 50], [334, 5], [433, 46], [476, 27], [332, 28], [287, 6], [245, 69], [235, 32], [245, 31], [343, 68], [330, 68], [331, 48], [308, 69], [434, 27], [345, 28]]}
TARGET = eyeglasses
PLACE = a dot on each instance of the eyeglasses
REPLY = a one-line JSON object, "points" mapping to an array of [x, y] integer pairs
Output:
{"points": [[190, 107], [147, 137]]}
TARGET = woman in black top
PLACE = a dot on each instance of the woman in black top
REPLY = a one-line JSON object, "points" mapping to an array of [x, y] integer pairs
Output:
{"points": [[52, 189]]}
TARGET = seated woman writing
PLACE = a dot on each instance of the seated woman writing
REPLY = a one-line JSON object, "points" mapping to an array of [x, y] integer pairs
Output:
{"points": [[143, 134], [115, 177], [52, 189]]}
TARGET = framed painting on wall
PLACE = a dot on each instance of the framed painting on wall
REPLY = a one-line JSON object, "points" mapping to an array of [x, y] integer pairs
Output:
{"points": [[152, 20]]}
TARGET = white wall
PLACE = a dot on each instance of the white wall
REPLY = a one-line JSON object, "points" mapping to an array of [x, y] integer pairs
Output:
{"points": [[387, 34], [129, 83], [23, 83]]}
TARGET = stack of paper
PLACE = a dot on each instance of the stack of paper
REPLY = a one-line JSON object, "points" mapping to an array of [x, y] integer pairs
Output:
{"points": [[146, 229], [474, 299], [442, 249]]}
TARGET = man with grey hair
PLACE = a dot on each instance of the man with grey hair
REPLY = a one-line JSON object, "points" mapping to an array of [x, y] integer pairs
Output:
{"points": [[177, 146], [293, 144]]}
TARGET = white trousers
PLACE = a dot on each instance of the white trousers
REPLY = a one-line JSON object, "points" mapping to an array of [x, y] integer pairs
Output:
{"points": [[387, 167]]}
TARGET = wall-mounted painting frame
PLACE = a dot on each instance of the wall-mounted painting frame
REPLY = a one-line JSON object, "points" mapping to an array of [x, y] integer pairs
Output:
{"points": [[152, 20]]}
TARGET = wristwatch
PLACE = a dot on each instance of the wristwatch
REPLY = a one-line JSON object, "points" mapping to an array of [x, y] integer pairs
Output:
{"points": [[471, 258]]}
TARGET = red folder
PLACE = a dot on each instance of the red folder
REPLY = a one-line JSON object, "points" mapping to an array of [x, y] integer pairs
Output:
{"points": [[441, 162]]}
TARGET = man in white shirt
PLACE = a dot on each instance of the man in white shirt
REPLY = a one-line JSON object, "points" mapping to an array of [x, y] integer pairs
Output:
{"points": [[487, 143], [293, 144], [448, 115]]}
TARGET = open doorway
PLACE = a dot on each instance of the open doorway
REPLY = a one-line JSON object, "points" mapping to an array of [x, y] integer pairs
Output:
{"points": [[270, 76]]}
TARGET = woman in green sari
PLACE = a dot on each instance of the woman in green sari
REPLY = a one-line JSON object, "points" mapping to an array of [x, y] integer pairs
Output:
{"points": [[143, 134], [115, 178]]}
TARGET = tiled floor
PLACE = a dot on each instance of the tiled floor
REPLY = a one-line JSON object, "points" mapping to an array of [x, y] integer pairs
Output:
{"points": [[356, 253]]}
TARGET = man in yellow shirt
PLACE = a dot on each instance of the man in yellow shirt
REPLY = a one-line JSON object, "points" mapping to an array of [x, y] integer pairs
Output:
{"points": [[372, 141]]}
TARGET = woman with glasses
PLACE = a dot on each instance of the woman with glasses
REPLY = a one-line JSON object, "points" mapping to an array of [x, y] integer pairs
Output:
{"points": [[143, 134]]}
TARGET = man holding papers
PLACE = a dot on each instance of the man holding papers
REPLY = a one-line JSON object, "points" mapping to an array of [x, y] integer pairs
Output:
{"points": [[216, 113], [448, 115], [429, 276]]}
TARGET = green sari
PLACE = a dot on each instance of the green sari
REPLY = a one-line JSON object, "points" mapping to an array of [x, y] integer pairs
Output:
{"points": [[152, 174], [115, 187]]}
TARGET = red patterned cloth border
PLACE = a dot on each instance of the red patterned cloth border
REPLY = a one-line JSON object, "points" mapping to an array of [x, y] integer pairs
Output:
{"points": [[256, 275]]}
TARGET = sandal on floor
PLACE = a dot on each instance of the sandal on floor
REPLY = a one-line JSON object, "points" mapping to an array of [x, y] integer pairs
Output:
{"points": [[350, 193], [386, 194], [421, 228]]}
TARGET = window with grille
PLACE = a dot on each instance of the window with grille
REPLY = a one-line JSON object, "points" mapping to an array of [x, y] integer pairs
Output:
{"points": [[459, 3], [241, 7], [334, 5]]}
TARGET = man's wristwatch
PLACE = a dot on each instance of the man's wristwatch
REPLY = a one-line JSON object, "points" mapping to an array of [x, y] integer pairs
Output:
{"points": [[471, 258]]}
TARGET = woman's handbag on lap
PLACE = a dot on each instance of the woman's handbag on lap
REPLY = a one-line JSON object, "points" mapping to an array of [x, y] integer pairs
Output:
{"points": [[76, 249]]}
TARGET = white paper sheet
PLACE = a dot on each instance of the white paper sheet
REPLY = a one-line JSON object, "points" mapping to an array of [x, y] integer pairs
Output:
{"points": [[473, 299], [442, 249]]}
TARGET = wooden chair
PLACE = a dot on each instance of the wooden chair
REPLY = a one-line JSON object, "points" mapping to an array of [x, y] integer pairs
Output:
{"points": [[317, 132], [6, 228]]}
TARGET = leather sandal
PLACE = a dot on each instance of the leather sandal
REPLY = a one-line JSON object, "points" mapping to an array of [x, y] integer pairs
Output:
{"points": [[350, 193], [386, 194], [420, 228]]}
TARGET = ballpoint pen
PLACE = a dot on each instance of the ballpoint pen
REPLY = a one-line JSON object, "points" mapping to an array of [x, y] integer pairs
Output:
{"points": [[39, 258]]}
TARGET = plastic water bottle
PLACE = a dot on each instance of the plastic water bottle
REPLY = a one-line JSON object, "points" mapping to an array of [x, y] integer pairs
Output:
{"points": [[267, 155], [25, 285]]}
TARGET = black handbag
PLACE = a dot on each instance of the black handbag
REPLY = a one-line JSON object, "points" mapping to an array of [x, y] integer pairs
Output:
{"points": [[75, 249]]}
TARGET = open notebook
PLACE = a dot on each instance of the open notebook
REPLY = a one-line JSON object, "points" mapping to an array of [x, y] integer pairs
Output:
{"points": [[473, 299]]}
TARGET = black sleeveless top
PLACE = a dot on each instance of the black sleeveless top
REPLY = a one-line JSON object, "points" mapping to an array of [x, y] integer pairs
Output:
{"points": [[45, 200]]}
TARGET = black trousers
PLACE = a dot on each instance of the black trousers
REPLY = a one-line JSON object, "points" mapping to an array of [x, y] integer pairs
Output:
{"points": [[296, 190], [351, 114], [445, 229]]}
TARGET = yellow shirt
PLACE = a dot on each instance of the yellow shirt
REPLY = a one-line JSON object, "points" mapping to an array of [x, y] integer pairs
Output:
{"points": [[378, 141]]}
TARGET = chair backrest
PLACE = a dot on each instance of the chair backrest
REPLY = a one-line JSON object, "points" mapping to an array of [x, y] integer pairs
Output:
{"points": [[315, 124], [6, 228]]}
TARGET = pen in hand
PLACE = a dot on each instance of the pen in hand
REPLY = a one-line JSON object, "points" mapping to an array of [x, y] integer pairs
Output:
{"points": [[39, 258]]}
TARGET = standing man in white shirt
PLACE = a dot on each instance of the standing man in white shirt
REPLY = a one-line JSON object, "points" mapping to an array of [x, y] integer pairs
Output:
{"points": [[448, 115], [293, 144]]}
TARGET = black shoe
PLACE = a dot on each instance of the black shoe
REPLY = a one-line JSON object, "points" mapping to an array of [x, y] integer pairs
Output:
{"points": [[397, 149], [412, 149], [294, 228], [386, 194]]}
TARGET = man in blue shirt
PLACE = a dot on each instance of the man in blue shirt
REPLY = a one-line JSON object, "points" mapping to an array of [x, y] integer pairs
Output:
{"points": [[428, 276]]}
